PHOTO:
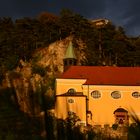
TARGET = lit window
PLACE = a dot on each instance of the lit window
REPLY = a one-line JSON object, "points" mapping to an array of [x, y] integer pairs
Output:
{"points": [[71, 91], [136, 94], [116, 94], [96, 94]]}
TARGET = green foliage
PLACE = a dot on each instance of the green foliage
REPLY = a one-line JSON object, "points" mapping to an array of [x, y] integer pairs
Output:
{"points": [[36, 69], [72, 119], [68, 130], [107, 45], [134, 129], [15, 124], [114, 126], [36, 58], [14, 75]]}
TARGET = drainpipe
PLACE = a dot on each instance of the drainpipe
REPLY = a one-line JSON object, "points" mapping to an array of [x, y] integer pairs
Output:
{"points": [[87, 104]]}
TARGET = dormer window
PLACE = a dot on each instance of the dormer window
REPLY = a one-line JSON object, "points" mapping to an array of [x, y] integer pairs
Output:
{"points": [[71, 91]]}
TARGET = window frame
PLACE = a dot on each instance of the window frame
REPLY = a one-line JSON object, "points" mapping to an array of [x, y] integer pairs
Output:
{"points": [[97, 94], [134, 96], [70, 101], [71, 91], [116, 93]]}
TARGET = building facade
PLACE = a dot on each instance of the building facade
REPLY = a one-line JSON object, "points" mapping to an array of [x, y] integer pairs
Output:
{"points": [[98, 95]]}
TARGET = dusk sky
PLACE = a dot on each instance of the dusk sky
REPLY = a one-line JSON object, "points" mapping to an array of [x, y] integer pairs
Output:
{"points": [[125, 13]]}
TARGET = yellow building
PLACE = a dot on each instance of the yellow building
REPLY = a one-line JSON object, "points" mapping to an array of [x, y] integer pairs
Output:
{"points": [[98, 95]]}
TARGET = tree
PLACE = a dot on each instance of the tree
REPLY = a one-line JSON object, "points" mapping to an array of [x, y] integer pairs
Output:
{"points": [[49, 23]]}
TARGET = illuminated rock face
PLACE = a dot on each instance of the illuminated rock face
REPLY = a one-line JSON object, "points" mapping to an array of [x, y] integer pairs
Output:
{"points": [[53, 55], [46, 62], [97, 93]]}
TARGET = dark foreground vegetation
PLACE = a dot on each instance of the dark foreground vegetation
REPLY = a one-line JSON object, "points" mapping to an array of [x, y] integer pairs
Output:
{"points": [[15, 124]]}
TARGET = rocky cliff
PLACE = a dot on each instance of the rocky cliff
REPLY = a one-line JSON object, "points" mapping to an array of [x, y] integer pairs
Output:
{"points": [[31, 79]]}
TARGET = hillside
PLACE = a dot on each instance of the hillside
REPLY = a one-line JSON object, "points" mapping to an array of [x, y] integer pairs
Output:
{"points": [[52, 56], [46, 63], [104, 44]]}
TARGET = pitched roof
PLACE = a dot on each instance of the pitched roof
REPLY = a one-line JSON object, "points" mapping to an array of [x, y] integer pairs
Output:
{"points": [[77, 94], [70, 51], [104, 75]]}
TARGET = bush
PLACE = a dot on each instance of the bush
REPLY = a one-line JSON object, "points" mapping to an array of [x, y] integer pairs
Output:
{"points": [[38, 70], [114, 126]]}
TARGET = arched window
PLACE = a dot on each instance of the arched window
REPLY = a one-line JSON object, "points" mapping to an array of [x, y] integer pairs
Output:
{"points": [[96, 94], [116, 94], [121, 116], [136, 94], [71, 91]]}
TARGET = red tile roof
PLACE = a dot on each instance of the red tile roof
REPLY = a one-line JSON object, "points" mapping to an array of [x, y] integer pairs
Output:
{"points": [[104, 75]]}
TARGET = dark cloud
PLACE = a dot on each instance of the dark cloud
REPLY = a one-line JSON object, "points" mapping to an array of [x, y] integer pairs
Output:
{"points": [[21, 8], [86, 8], [121, 12], [125, 13]]}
